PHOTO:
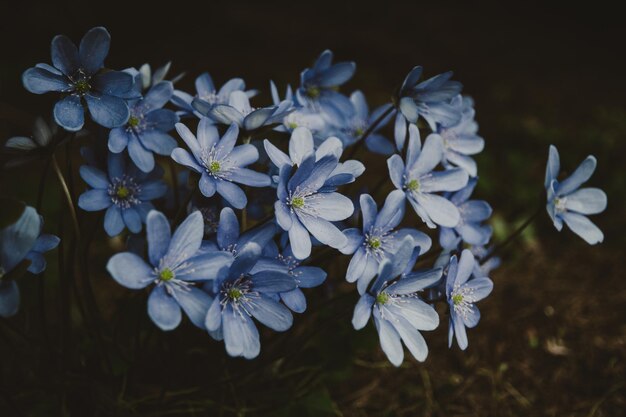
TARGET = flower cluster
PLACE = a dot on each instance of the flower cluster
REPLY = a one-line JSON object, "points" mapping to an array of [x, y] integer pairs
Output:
{"points": [[255, 203]]}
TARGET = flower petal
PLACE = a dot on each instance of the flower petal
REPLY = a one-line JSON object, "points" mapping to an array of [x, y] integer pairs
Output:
{"points": [[130, 271], [163, 309]]}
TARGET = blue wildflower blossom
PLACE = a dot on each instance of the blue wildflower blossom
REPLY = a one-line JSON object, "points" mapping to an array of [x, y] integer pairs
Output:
{"points": [[302, 116], [21, 241], [420, 183], [378, 240], [305, 207], [569, 203], [125, 192], [228, 237], [208, 95], [220, 163], [303, 276], [462, 293], [176, 268], [301, 144], [462, 140], [430, 99], [244, 294], [399, 312], [483, 268], [239, 112], [77, 73], [318, 85], [472, 213], [150, 78], [351, 128], [147, 127]]}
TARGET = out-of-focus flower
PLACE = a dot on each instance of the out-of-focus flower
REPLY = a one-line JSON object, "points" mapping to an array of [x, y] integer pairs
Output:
{"points": [[125, 192]]}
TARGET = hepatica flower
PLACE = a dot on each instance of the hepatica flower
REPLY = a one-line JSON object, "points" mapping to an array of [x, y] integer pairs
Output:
{"points": [[247, 293], [174, 267], [462, 294], [304, 208], [430, 99], [239, 112], [462, 140], [399, 312], [420, 183], [146, 130], [378, 240], [220, 163], [303, 276], [78, 74], [301, 145], [569, 203], [125, 192], [21, 241], [208, 95], [302, 116], [318, 85], [471, 215], [228, 237]]}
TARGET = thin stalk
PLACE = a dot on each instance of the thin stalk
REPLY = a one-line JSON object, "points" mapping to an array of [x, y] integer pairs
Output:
{"points": [[513, 236], [174, 176], [68, 196]]}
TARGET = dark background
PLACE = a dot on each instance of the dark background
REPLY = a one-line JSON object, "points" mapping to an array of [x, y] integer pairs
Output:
{"points": [[552, 339]]}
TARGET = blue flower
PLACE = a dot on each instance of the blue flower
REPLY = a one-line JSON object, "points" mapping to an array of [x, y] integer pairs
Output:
{"points": [[472, 213], [462, 293], [207, 95], [378, 240], [303, 276], [418, 180], [429, 99], [239, 112], [125, 193], [304, 207], [228, 237], [244, 294], [350, 129], [399, 312], [462, 140], [569, 203], [175, 267], [147, 127], [220, 162], [483, 268], [302, 116], [77, 74], [301, 145], [150, 79], [21, 241], [318, 85]]}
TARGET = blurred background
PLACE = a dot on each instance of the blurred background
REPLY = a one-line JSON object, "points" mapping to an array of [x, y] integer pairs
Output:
{"points": [[552, 339]]}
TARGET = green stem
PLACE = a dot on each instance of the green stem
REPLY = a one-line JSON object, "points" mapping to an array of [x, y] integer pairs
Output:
{"points": [[68, 196]]}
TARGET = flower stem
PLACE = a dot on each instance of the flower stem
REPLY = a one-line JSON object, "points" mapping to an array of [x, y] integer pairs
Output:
{"points": [[369, 131], [68, 196], [513, 236]]}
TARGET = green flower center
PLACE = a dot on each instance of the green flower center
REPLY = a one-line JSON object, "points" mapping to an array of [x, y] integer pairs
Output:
{"points": [[297, 202], [313, 92], [166, 274], [359, 131], [82, 86], [133, 121], [382, 298], [374, 242], [292, 125], [214, 167], [234, 294], [413, 185], [457, 299], [122, 192]]}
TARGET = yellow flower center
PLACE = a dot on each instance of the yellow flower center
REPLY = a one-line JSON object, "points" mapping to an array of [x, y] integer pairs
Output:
{"points": [[413, 185], [297, 202], [457, 299], [214, 167], [234, 294], [382, 298], [166, 274]]}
